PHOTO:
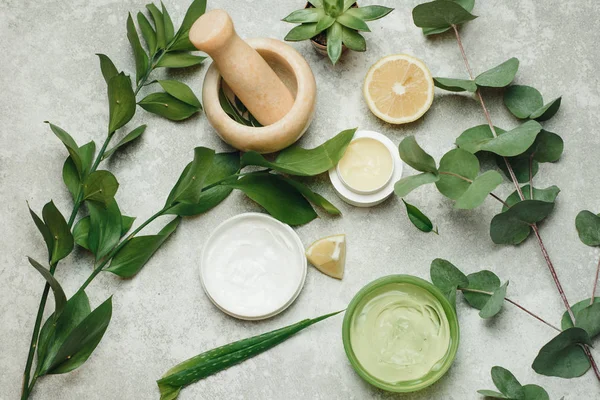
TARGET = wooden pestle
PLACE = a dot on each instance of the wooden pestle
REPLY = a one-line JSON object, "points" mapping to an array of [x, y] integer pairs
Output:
{"points": [[247, 74]]}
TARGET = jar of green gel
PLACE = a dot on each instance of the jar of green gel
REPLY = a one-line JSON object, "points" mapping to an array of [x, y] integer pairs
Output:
{"points": [[400, 333]]}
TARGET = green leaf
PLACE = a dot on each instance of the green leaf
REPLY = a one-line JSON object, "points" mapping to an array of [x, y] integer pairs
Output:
{"points": [[588, 227], [58, 327], [512, 226], [105, 228], [180, 91], [86, 153], [182, 41], [588, 318], [369, 13], [548, 147], [107, 67], [520, 166], [440, 14], [148, 33], [223, 357], [141, 58], [507, 144], [548, 194], [522, 101], [100, 186], [167, 106], [305, 15], [70, 177], [492, 394], [484, 280], [81, 230], [62, 239], [230, 109], [418, 219], [132, 257], [121, 102], [279, 198], [563, 355], [334, 42], [406, 185], [566, 322], [159, 24], [60, 300], [179, 60], [353, 40], [499, 76], [302, 32], [324, 23], [547, 111], [477, 192], [495, 302], [71, 146], [412, 154], [350, 21], [224, 165], [305, 162], [41, 225], [333, 7], [471, 139], [466, 4], [82, 340], [456, 162], [446, 277], [455, 85], [506, 382], [130, 137], [311, 196], [168, 24], [535, 392], [188, 188]]}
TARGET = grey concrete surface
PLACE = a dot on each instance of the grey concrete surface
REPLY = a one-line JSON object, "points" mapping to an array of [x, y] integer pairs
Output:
{"points": [[48, 71]]}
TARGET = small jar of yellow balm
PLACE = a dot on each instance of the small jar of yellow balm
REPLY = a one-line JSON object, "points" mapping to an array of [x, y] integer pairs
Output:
{"points": [[366, 174], [400, 333]]}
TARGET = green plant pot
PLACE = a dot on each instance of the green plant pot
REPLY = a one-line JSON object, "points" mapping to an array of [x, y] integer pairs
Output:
{"points": [[432, 376]]}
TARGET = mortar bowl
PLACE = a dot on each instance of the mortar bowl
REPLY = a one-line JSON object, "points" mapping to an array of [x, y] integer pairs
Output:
{"points": [[297, 76]]}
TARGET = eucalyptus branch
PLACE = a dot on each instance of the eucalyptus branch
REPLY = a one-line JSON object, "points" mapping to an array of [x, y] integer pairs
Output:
{"points": [[595, 283]]}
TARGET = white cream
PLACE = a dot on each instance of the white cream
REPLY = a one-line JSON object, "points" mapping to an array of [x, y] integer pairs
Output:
{"points": [[253, 266]]}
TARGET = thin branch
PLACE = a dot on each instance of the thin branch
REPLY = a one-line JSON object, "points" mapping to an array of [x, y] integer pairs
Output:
{"points": [[595, 283], [500, 200], [531, 176], [456, 176]]}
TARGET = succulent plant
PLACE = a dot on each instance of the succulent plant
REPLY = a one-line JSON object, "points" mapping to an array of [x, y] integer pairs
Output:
{"points": [[339, 20]]}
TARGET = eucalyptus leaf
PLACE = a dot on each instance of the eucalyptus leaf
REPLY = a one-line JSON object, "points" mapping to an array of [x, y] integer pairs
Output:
{"points": [[148, 33], [457, 167], [477, 192], [279, 198], [369, 13], [535, 392], [179, 60], [520, 166], [107, 67], [188, 188], [563, 356], [446, 277], [167, 106], [588, 227], [141, 58], [547, 111], [492, 394], [495, 302], [548, 194], [181, 40], [513, 225], [499, 76], [506, 382], [334, 42], [82, 340], [522, 101], [548, 147], [466, 4], [471, 139], [60, 299], [407, 184], [137, 251], [62, 239], [588, 319], [121, 102], [105, 228], [311, 196], [484, 280], [511, 143], [57, 328], [566, 322], [100, 186], [418, 219], [350, 21], [130, 137], [455, 85], [180, 91], [223, 165], [440, 14], [305, 162], [412, 154], [159, 24], [353, 40]]}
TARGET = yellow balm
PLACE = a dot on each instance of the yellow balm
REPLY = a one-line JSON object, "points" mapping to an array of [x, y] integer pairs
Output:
{"points": [[367, 165]]}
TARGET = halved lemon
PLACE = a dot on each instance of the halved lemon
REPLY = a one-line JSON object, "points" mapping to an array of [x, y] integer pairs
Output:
{"points": [[398, 89], [328, 255]]}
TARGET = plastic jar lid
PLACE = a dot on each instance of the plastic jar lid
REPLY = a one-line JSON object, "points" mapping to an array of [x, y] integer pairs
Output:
{"points": [[374, 198], [253, 266]]}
